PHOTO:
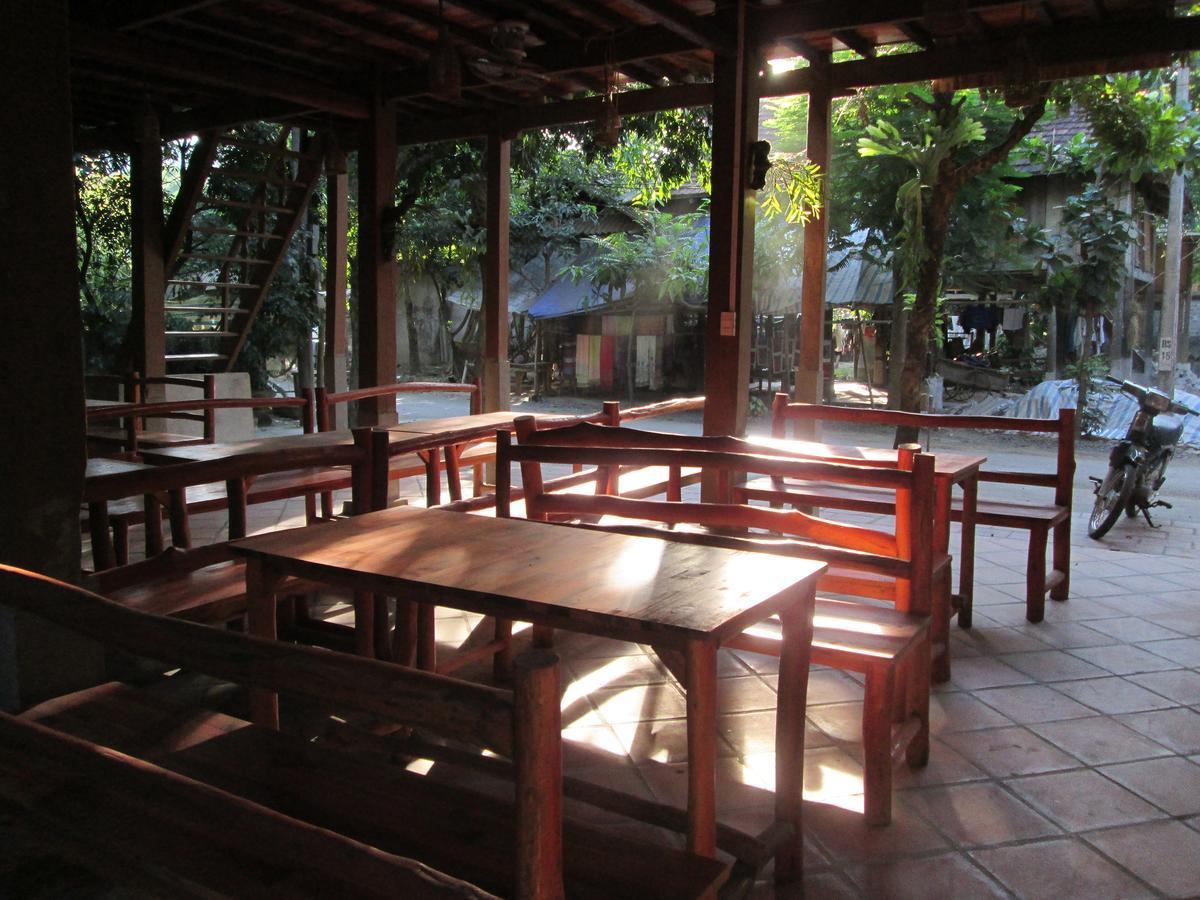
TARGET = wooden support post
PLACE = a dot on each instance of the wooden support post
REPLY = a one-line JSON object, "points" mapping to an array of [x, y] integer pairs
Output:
{"points": [[43, 449], [376, 265], [336, 229], [730, 324], [495, 382], [812, 291], [148, 325]]}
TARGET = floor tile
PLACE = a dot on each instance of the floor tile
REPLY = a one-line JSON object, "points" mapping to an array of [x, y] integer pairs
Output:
{"points": [[1098, 740], [980, 814], [1082, 800], [1123, 659], [1113, 694], [639, 703], [1009, 751], [754, 732], [1180, 685], [1177, 728], [961, 711], [1164, 854], [1131, 629], [1058, 868], [841, 721], [982, 672], [1032, 703], [1172, 783], [1052, 665], [745, 694], [992, 640], [945, 766], [948, 875], [1065, 635], [1184, 651], [847, 838]]}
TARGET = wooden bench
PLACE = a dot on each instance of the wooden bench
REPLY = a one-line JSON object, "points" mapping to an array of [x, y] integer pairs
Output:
{"points": [[132, 433], [131, 436], [1040, 519], [890, 646], [349, 785], [410, 465]]}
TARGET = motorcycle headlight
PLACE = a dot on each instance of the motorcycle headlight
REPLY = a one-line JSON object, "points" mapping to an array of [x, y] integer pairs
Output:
{"points": [[1157, 400]]}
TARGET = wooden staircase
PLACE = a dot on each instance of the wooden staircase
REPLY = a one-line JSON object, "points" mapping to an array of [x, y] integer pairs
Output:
{"points": [[239, 204]]}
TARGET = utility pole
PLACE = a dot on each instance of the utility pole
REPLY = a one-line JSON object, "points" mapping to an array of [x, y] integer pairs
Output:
{"points": [[1168, 328]]}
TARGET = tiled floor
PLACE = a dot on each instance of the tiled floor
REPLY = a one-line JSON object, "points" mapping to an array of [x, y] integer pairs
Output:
{"points": [[1065, 758]]}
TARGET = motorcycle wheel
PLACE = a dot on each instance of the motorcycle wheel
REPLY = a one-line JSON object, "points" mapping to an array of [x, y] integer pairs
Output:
{"points": [[1112, 498]]}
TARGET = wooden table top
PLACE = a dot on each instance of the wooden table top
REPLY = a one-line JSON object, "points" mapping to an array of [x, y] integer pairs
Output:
{"points": [[463, 428], [99, 467], [234, 449], [952, 465], [631, 588]]}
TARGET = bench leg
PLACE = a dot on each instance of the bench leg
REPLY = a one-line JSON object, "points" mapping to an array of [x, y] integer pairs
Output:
{"points": [[1035, 578], [966, 553], [502, 661], [877, 744], [404, 638], [943, 603], [364, 624], [1062, 559], [917, 704], [427, 637], [121, 541], [453, 482]]}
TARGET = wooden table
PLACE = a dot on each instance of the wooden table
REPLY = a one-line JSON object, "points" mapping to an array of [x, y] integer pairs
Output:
{"points": [[684, 597], [950, 469]]}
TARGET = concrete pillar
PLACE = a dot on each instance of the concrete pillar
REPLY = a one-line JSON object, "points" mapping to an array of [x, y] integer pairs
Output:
{"points": [[495, 279], [336, 229]]}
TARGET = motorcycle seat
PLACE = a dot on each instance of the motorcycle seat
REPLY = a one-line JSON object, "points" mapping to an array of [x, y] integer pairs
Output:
{"points": [[1167, 430]]}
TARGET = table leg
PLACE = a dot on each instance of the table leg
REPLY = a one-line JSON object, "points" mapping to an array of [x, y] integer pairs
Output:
{"points": [[453, 476], [364, 624], [701, 689], [794, 655], [433, 476], [426, 637], [966, 553], [940, 614], [261, 597]]}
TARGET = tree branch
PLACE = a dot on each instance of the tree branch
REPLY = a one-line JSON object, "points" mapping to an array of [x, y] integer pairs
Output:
{"points": [[1021, 126]]}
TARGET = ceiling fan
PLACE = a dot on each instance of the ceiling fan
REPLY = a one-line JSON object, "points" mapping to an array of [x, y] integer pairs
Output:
{"points": [[504, 62]]}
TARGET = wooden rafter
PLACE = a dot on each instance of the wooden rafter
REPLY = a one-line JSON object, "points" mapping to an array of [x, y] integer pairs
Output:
{"points": [[1058, 53], [701, 31], [548, 115], [864, 47]]}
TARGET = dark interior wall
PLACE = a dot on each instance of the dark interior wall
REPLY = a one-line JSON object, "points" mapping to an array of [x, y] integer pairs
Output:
{"points": [[41, 357]]}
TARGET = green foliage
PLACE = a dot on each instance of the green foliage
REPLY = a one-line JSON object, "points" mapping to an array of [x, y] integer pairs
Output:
{"points": [[924, 151], [1084, 270], [665, 260], [793, 190], [102, 219], [1137, 128]]}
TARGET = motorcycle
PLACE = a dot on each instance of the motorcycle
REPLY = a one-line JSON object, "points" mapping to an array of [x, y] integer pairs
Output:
{"points": [[1137, 465]]}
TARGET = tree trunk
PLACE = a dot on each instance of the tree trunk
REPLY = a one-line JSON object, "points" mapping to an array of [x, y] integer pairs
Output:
{"points": [[924, 309], [410, 320]]}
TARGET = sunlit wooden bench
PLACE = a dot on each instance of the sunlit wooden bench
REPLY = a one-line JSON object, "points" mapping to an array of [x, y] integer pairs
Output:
{"points": [[217, 799]]}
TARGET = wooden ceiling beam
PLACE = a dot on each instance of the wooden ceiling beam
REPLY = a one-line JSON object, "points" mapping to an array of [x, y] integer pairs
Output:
{"points": [[856, 42], [917, 33], [198, 68], [769, 23], [550, 115], [701, 31], [130, 14], [1065, 52]]}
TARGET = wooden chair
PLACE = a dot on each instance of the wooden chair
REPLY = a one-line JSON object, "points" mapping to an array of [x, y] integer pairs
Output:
{"points": [[276, 802], [131, 433], [890, 646], [1040, 519]]}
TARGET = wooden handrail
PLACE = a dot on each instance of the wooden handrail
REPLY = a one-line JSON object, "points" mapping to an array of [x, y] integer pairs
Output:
{"points": [[163, 409]]}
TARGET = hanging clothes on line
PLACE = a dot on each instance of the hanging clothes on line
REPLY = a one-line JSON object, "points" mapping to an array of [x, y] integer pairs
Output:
{"points": [[1013, 318]]}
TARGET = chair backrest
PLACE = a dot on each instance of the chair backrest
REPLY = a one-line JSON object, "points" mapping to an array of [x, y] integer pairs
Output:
{"points": [[326, 402], [524, 725], [903, 553], [783, 411], [202, 410], [172, 481]]}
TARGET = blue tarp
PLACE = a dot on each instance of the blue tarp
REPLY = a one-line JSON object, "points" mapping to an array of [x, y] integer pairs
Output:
{"points": [[1045, 400]]}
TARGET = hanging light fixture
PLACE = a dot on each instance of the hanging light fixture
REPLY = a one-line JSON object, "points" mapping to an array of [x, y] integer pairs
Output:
{"points": [[445, 69], [608, 126]]}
